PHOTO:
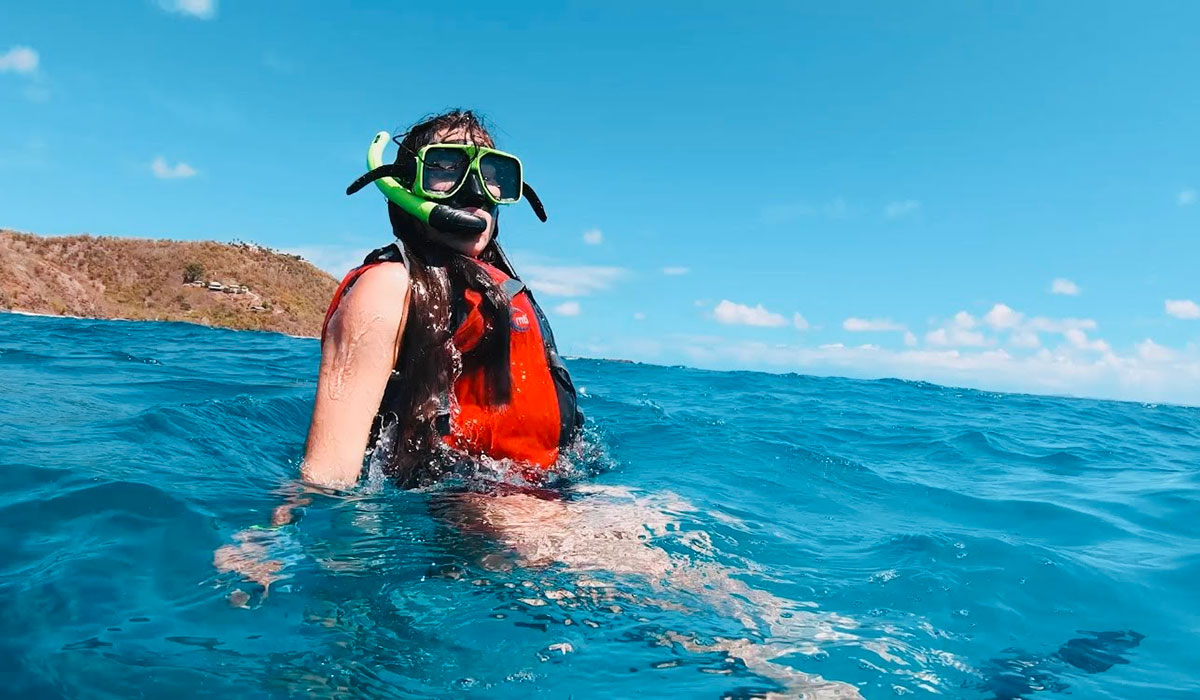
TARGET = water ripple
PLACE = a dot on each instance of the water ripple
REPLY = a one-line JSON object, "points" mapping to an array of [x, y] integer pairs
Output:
{"points": [[731, 534]]}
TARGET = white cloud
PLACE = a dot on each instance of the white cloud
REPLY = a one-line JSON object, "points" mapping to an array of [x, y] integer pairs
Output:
{"points": [[164, 171], [19, 59], [957, 332], [1062, 285], [593, 236], [569, 280], [937, 337], [200, 9], [860, 325], [1153, 352], [1024, 339], [739, 314], [567, 308], [1059, 325], [955, 336], [675, 270], [901, 208], [1011, 356], [799, 322], [639, 316], [1187, 197], [1145, 373], [1002, 316], [1023, 333], [1182, 308], [1080, 340], [1000, 325]]}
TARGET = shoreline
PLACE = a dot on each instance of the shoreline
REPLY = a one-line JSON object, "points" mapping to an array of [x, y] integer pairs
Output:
{"points": [[20, 312], [796, 372]]}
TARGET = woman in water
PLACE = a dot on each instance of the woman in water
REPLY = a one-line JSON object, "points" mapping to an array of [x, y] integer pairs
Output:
{"points": [[434, 355], [433, 350]]}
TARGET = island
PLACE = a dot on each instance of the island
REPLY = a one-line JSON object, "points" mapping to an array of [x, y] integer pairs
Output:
{"points": [[232, 285]]}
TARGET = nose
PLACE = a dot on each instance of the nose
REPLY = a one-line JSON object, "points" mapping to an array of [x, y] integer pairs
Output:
{"points": [[474, 188]]}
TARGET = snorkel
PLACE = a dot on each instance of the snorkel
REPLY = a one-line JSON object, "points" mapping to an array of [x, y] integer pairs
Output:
{"points": [[442, 217]]}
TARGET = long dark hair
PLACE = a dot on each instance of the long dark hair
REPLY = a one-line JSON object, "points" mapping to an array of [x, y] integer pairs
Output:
{"points": [[419, 398]]}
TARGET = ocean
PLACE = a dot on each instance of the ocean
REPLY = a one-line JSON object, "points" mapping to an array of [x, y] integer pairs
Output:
{"points": [[716, 535]]}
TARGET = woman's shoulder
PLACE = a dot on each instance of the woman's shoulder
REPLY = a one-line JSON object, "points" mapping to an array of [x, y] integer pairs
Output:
{"points": [[380, 279], [385, 280], [372, 291], [386, 268]]}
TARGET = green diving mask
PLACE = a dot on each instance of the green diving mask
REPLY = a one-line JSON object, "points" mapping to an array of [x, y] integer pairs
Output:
{"points": [[442, 171], [443, 168]]}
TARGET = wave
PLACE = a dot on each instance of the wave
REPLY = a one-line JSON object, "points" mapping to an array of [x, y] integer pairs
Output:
{"points": [[727, 533]]}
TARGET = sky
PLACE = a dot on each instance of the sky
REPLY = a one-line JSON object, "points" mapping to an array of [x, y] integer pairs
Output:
{"points": [[996, 195]]}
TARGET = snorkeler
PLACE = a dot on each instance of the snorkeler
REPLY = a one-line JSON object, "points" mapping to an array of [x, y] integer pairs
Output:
{"points": [[433, 349], [435, 354]]}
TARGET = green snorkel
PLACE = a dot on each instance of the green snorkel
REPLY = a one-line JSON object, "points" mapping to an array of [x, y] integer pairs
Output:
{"points": [[424, 208]]}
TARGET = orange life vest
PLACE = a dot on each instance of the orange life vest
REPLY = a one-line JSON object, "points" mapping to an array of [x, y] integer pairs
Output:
{"points": [[540, 415]]}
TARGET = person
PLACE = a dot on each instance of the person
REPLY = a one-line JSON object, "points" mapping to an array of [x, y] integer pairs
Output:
{"points": [[433, 350]]}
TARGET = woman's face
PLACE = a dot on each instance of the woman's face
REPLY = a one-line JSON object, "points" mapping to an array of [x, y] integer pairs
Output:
{"points": [[467, 245]]}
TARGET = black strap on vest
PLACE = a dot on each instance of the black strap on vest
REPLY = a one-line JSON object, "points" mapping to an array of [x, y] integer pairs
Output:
{"points": [[570, 417], [388, 253]]}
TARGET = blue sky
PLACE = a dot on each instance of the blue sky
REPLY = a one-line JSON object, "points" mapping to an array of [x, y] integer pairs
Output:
{"points": [[861, 189]]}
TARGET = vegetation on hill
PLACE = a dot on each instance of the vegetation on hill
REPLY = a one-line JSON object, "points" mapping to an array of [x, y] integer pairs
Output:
{"points": [[106, 277]]}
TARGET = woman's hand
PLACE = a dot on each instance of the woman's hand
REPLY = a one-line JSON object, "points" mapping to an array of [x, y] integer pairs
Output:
{"points": [[249, 558], [253, 554]]}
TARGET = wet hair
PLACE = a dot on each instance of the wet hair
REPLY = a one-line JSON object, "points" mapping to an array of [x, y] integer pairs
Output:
{"points": [[429, 363]]}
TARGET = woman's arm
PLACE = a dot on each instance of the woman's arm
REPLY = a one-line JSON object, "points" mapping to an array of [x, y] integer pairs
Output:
{"points": [[360, 349]]}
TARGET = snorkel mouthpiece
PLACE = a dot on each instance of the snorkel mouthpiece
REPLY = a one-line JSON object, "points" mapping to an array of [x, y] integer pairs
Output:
{"points": [[450, 220], [441, 217]]}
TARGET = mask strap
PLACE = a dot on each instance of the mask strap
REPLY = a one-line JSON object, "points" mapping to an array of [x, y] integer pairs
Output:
{"points": [[535, 202], [389, 170]]}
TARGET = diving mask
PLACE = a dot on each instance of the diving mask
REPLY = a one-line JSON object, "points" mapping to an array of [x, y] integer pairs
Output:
{"points": [[446, 174]]}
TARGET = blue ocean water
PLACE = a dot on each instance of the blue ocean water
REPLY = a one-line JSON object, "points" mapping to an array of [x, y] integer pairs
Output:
{"points": [[724, 534]]}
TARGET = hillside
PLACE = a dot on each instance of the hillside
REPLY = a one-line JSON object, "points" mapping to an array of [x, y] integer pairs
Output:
{"points": [[105, 277]]}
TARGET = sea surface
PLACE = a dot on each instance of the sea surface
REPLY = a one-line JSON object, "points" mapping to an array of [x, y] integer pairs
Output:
{"points": [[717, 535]]}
